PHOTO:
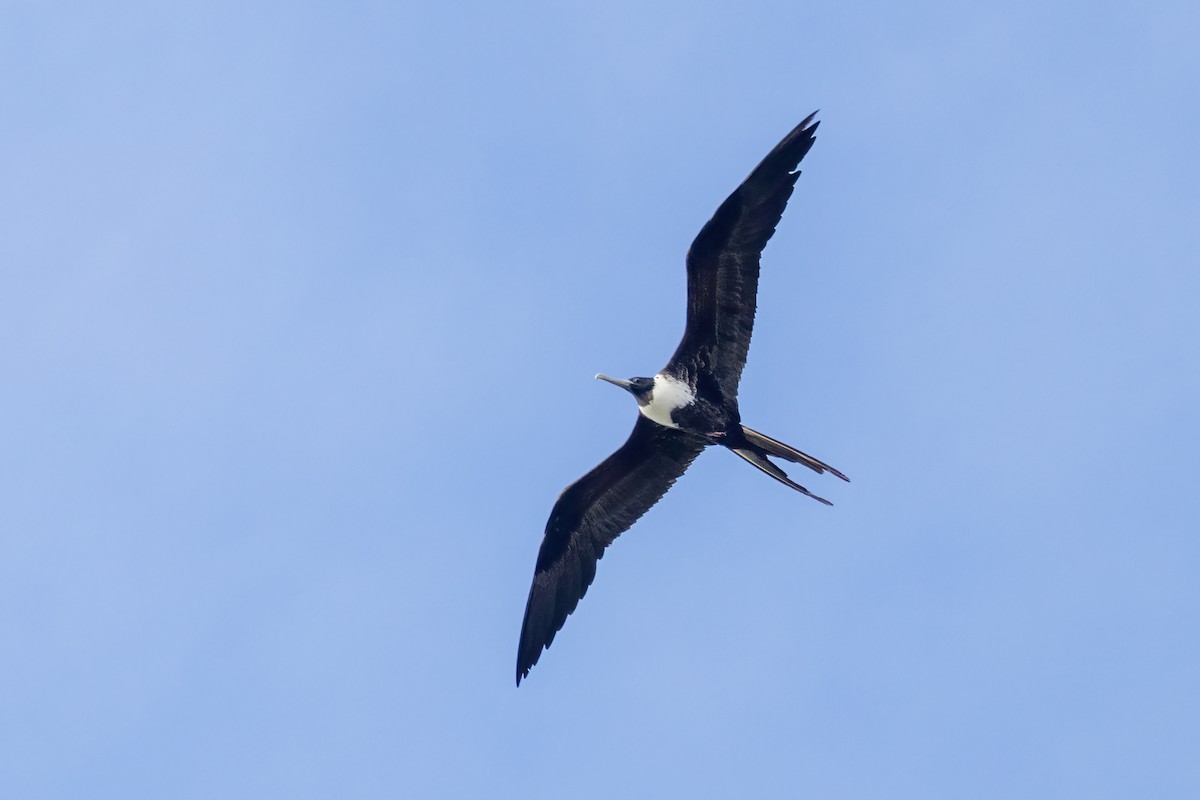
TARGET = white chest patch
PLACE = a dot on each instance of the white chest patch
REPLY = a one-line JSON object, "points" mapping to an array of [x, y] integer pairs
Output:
{"points": [[669, 394]]}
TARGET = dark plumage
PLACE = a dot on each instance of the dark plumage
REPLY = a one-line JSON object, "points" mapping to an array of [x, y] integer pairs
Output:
{"points": [[689, 405]]}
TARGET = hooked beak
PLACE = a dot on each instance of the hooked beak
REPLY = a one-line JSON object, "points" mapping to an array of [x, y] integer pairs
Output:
{"points": [[624, 384]]}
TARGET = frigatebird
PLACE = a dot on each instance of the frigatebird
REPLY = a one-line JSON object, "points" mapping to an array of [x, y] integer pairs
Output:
{"points": [[690, 404]]}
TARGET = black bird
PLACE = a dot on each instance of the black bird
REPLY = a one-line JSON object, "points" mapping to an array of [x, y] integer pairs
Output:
{"points": [[689, 405]]}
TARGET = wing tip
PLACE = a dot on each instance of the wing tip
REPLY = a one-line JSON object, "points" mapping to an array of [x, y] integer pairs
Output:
{"points": [[526, 660], [795, 146]]}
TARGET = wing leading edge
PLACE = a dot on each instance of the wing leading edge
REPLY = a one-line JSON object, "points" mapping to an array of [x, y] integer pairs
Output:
{"points": [[723, 267], [588, 516]]}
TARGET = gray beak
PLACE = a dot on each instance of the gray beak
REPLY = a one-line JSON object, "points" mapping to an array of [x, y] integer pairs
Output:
{"points": [[624, 384]]}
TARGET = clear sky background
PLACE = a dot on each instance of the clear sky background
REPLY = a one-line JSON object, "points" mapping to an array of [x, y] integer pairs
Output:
{"points": [[300, 306]]}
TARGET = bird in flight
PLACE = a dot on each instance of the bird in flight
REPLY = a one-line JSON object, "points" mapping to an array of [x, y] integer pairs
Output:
{"points": [[691, 404]]}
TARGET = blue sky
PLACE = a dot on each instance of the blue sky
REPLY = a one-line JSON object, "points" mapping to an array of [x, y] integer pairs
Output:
{"points": [[301, 306]]}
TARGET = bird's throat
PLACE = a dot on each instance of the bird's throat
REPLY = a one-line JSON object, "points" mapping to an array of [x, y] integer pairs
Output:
{"points": [[669, 395]]}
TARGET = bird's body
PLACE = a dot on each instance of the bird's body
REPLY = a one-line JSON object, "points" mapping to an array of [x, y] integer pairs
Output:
{"points": [[689, 405], [674, 403], [670, 396]]}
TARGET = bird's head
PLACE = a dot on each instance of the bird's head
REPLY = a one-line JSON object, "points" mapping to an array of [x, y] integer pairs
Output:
{"points": [[640, 388]]}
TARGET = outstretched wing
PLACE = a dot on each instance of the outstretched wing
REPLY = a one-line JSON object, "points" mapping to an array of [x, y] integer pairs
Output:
{"points": [[722, 268], [588, 516]]}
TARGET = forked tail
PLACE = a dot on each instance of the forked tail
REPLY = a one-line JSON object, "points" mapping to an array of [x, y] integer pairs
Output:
{"points": [[760, 461], [761, 446], [774, 447]]}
